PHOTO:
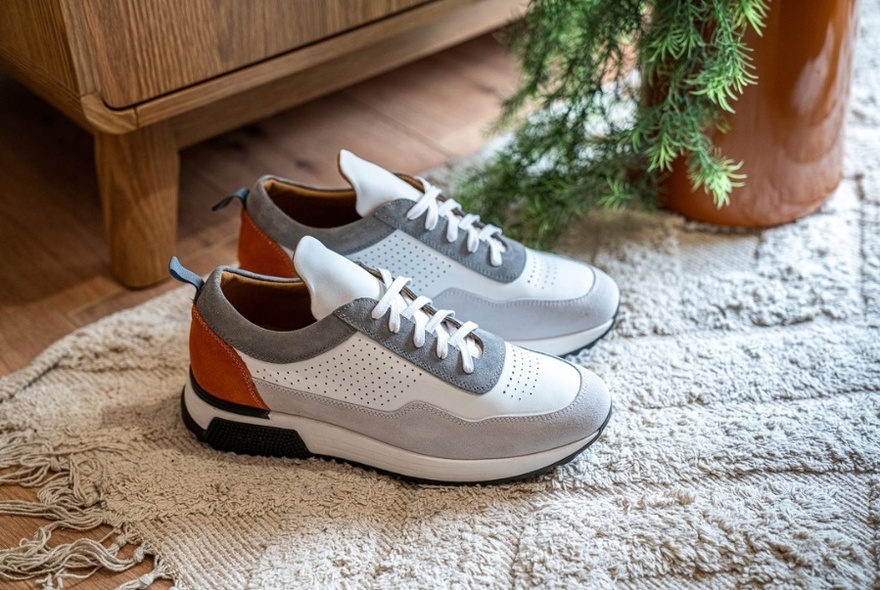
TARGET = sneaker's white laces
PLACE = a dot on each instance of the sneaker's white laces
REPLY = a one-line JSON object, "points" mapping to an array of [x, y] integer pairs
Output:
{"points": [[436, 210], [392, 300]]}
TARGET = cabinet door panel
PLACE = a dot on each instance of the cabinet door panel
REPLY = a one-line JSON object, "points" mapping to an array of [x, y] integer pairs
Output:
{"points": [[142, 49]]}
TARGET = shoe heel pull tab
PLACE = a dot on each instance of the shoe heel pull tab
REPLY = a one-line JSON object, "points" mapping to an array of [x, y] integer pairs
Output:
{"points": [[241, 194], [185, 275]]}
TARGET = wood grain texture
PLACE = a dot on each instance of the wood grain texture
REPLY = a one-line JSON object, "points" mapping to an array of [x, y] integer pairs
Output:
{"points": [[51, 246], [177, 44], [42, 83], [458, 116], [101, 119], [138, 175], [419, 32], [366, 51], [35, 31], [97, 59]]}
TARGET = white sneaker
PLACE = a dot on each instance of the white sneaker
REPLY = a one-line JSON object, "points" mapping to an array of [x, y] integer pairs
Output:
{"points": [[350, 364], [535, 299]]}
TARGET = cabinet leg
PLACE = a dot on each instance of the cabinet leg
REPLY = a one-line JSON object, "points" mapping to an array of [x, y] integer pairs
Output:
{"points": [[138, 176]]}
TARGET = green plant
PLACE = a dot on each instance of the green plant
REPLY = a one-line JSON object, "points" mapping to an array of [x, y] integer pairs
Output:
{"points": [[594, 136]]}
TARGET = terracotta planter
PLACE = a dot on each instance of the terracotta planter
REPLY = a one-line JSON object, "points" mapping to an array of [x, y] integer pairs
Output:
{"points": [[788, 128]]}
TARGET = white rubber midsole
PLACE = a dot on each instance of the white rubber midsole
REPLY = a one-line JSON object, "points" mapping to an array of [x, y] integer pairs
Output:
{"points": [[322, 438], [560, 345]]}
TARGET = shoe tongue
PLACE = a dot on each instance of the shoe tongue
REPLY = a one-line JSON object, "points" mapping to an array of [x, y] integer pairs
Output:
{"points": [[333, 280], [373, 185]]}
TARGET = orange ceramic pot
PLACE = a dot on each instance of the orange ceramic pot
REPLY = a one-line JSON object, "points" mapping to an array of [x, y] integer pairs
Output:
{"points": [[788, 128]]}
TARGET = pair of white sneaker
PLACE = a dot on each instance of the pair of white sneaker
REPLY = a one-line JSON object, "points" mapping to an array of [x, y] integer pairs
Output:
{"points": [[307, 353]]}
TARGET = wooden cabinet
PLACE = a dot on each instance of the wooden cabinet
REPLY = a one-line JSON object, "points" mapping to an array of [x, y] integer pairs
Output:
{"points": [[148, 77], [161, 38]]}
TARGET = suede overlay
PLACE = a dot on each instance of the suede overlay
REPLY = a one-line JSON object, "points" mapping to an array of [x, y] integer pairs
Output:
{"points": [[487, 368], [260, 343], [527, 319], [426, 429], [277, 225], [352, 237], [512, 261], [218, 368], [258, 253]]}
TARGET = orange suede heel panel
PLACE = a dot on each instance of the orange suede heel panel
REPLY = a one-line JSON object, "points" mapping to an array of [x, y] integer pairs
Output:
{"points": [[218, 368], [258, 253]]}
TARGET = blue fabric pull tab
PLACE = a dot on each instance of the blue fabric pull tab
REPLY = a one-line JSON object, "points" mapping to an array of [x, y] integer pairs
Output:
{"points": [[241, 194], [184, 275]]}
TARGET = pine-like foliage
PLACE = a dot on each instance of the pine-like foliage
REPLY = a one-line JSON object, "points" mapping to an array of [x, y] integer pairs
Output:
{"points": [[595, 137]]}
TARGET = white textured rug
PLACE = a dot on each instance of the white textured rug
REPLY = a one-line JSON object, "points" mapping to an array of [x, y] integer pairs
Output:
{"points": [[744, 450]]}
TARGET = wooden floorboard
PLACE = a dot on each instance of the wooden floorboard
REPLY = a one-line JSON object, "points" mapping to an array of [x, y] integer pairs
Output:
{"points": [[53, 257], [444, 100]]}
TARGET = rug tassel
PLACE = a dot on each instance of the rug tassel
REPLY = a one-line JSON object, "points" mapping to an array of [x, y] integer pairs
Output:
{"points": [[70, 498], [160, 572], [32, 558]]}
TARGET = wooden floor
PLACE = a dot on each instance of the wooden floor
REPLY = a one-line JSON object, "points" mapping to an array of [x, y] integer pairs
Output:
{"points": [[54, 262]]}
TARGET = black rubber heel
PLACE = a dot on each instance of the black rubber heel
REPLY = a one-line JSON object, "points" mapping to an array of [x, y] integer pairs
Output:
{"points": [[247, 439]]}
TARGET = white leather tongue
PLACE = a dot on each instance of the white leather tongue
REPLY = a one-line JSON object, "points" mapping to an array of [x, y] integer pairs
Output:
{"points": [[333, 280], [373, 185]]}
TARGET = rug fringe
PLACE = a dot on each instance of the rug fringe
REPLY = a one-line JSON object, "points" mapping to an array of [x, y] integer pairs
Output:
{"points": [[43, 363], [70, 498]]}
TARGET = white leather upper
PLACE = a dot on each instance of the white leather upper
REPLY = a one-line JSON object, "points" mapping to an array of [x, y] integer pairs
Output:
{"points": [[364, 373], [545, 277]]}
